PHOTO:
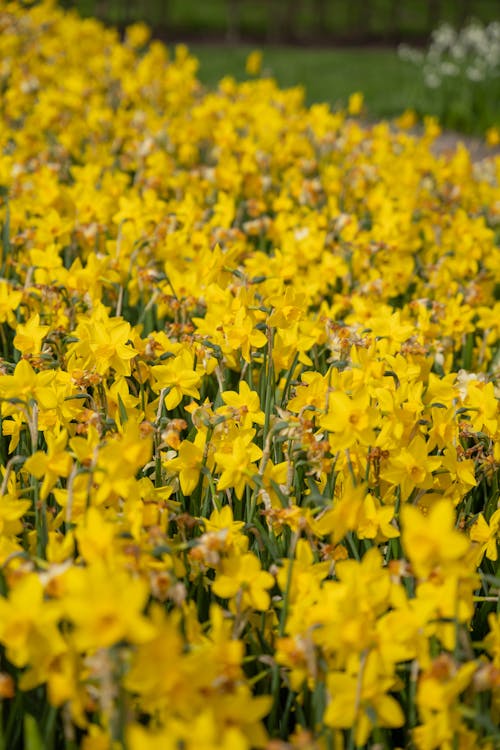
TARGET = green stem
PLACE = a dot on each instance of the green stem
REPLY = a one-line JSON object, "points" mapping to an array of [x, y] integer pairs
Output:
{"points": [[42, 536], [269, 402], [284, 609]]}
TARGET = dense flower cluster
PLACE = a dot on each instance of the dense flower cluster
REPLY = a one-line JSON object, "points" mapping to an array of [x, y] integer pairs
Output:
{"points": [[249, 413], [473, 52], [463, 66]]}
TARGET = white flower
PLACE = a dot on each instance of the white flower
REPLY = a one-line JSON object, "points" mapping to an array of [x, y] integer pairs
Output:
{"points": [[449, 69], [444, 36], [474, 37], [458, 51], [474, 74], [408, 54], [470, 56], [432, 80]]}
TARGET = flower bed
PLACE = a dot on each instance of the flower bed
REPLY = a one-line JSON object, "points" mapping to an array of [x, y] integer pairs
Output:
{"points": [[249, 412]]}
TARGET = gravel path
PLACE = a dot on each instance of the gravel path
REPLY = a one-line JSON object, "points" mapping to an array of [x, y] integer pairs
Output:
{"points": [[447, 142]]}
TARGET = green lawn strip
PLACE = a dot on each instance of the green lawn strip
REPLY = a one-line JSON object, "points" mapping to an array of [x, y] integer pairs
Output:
{"points": [[389, 85], [328, 74]]}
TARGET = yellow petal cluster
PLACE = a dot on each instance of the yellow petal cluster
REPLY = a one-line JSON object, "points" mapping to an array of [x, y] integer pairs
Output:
{"points": [[249, 382]]}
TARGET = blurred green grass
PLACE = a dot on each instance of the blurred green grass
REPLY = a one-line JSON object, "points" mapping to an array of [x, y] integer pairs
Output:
{"points": [[328, 73], [389, 84]]}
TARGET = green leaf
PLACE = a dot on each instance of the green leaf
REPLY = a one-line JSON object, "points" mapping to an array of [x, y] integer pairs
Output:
{"points": [[32, 738], [122, 410]]}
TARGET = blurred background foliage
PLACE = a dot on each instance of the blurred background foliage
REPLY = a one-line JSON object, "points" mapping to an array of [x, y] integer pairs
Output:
{"points": [[292, 21], [330, 47]]}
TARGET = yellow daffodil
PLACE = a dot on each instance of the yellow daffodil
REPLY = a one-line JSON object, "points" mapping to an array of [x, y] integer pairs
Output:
{"points": [[431, 541], [487, 534], [178, 377], [242, 578]]}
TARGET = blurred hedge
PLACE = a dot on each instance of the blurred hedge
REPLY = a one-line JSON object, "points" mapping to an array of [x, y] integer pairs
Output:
{"points": [[304, 21]]}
